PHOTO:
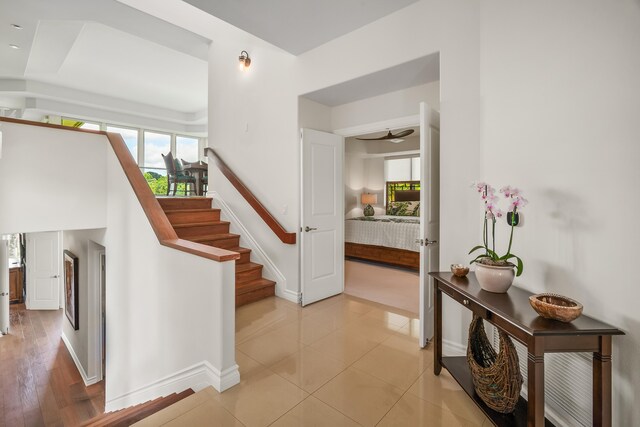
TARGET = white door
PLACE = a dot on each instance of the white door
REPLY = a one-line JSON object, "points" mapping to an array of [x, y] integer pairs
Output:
{"points": [[429, 216], [44, 261], [322, 216]]}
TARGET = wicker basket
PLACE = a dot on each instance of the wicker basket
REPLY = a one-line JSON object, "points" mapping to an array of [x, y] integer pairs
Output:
{"points": [[496, 377]]}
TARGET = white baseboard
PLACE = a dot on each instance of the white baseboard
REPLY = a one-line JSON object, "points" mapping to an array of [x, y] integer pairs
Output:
{"points": [[452, 348], [196, 377], [289, 295], [87, 380], [269, 268]]}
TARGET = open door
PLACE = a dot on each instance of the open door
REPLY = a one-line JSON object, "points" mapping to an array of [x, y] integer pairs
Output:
{"points": [[44, 261], [429, 216], [322, 216]]}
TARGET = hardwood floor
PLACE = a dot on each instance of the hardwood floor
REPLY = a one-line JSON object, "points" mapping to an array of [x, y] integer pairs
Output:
{"points": [[39, 382]]}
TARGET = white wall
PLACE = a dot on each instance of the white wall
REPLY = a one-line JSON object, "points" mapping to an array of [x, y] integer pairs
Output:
{"points": [[392, 105], [560, 120], [170, 314], [166, 310], [542, 95], [313, 115], [41, 175], [82, 243], [363, 175]]}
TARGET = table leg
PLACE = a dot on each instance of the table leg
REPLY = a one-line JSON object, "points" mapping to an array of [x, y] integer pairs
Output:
{"points": [[535, 383], [197, 184], [437, 330], [602, 383]]}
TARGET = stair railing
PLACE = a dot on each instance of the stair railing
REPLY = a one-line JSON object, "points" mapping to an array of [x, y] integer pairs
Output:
{"points": [[272, 223], [155, 214]]}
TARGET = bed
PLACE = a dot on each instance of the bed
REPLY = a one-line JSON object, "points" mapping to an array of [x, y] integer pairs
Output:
{"points": [[388, 239]]}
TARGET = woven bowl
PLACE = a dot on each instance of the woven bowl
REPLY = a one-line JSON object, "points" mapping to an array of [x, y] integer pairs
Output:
{"points": [[556, 307], [459, 270]]}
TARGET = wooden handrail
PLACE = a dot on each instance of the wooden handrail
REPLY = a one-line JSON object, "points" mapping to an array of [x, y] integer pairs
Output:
{"points": [[161, 226], [274, 225]]}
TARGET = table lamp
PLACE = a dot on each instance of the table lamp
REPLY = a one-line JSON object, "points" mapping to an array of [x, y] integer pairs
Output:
{"points": [[368, 199]]}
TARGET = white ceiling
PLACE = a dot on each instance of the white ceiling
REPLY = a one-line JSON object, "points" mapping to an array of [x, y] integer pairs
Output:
{"points": [[409, 74], [299, 25], [102, 47]]}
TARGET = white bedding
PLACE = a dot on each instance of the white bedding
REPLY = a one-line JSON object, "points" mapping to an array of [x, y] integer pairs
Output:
{"points": [[385, 230]]}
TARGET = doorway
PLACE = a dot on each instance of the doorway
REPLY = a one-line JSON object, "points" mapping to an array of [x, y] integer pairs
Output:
{"points": [[418, 198], [382, 197]]}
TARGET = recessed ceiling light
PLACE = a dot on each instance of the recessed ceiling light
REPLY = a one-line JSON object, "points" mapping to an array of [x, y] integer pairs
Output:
{"points": [[396, 140], [16, 26], [14, 46]]}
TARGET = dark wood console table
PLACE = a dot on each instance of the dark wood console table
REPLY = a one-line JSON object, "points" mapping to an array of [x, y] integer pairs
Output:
{"points": [[512, 313]]}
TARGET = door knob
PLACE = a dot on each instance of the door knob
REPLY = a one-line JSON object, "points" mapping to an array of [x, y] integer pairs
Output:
{"points": [[426, 242], [55, 277], [308, 229]]}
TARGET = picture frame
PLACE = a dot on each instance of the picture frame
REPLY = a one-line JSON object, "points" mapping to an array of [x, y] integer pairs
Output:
{"points": [[71, 288]]}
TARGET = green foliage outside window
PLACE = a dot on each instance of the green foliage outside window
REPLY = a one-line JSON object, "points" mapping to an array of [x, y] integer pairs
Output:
{"points": [[158, 184]]}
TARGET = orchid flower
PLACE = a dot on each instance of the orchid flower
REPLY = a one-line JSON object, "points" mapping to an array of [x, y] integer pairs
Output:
{"points": [[491, 213]]}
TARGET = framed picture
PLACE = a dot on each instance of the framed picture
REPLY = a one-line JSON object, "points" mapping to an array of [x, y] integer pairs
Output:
{"points": [[71, 288]]}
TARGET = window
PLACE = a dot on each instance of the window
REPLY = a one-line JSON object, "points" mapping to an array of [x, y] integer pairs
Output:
{"points": [[187, 149], [156, 144], [14, 248], [401, 174], [130, 137], [402, 169]]}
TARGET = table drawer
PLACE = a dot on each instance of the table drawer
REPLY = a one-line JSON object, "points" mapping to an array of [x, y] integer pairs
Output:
{"points": [[466, 302]]}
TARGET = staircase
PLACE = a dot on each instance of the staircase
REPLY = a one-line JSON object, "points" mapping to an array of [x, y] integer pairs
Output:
{"points": [[129, 416], [194, 219]]}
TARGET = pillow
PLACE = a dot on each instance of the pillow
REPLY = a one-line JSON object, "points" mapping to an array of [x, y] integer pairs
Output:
{"points": [[403, 208]]}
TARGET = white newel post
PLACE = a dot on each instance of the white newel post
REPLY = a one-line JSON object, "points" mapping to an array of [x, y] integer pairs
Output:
{"points": [[223, 334], [4, 286]]}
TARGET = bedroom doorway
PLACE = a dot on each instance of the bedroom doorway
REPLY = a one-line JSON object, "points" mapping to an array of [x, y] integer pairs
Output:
{"points": [[382, 193], [392, 215]]}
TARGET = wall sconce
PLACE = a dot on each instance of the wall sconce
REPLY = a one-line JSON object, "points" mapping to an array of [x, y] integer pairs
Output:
{"points": [[244, 60], [368, 199]]}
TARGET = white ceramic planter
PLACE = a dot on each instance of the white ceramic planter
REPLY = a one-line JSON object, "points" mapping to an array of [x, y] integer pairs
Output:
{"points": [[496, 279]]}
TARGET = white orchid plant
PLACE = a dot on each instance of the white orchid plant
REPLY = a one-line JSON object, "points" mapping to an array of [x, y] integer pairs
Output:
{"points": [[491, 213]]}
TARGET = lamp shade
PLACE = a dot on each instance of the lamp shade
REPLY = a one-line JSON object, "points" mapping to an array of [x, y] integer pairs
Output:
{"points": [[369, 199]]}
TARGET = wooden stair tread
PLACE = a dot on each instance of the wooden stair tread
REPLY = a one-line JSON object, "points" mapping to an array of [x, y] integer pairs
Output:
{"points": [[213, 237], [128, 416], [173, 211], [240, 249], [184, 202], [200, 224], [253, 285], [157, 406], [240, 268], [110, 418]]}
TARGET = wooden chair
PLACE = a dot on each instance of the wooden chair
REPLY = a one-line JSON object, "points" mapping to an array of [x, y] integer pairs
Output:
{"points": [[176, 175], [204, 183]]}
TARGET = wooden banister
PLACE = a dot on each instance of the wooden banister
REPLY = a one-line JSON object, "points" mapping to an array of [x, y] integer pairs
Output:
{"points": [[157, 218], [274, 225]]}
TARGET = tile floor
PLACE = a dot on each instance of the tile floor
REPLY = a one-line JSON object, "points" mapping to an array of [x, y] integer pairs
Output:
{"points": [[393, 286], [339, 362]]}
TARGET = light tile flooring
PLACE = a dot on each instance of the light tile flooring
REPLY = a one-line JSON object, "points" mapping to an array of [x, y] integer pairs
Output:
{"points": [[339, 362]]}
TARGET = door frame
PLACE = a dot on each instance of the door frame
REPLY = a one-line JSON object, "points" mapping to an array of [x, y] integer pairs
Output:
{"points": [[95, 252]]}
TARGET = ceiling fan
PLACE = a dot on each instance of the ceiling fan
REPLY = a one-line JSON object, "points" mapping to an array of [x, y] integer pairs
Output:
{"points": [[397, 137]]}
